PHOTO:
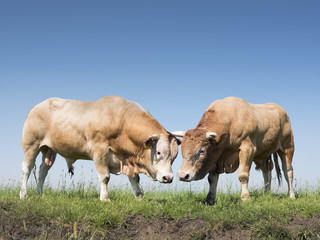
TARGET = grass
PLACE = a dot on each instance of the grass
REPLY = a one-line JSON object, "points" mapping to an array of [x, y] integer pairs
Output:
{"points": [[265, 215]]}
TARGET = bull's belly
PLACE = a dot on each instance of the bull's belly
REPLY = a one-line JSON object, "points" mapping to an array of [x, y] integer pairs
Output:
{"points": [[266, 147], [71, 152], [73, 148], [114, 167], [264, 154]]}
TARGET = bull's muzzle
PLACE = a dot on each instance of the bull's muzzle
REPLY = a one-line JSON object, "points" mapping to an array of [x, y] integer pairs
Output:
{"points": [[184, 176], [167, 179]]}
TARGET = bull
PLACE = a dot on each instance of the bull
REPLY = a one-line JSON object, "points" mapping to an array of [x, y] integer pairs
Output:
{"points": [[118, 135], [232, 134]]}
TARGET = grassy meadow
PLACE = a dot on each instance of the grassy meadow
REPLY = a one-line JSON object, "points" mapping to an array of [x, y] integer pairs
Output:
{"points": [[265, 216]]}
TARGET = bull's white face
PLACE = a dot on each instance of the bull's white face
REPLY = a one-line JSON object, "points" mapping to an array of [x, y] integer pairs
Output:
{"points": [[163, 151]]}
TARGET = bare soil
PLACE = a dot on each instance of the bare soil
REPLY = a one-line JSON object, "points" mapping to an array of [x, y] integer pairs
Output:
{"points": [[138, 227]]}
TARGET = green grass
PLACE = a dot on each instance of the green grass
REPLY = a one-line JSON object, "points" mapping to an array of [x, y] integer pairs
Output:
{"points": [[265, 215]]}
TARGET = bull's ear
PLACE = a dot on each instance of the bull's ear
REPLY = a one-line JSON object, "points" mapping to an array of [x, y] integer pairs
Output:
{"points": [[222, 137], [178, 133], [151, 140]]}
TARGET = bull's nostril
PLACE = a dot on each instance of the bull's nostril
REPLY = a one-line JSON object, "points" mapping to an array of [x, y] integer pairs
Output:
{"points": [[164, 178], [187, 177]]}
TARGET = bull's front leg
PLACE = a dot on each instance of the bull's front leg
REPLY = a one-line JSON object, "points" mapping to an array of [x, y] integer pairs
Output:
{"points": [[136, 186], [102, 167], [245, 161], [213, 182]]}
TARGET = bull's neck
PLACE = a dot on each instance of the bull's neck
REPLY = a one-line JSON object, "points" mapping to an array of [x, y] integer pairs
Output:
{"points": [[142, 126], [136, 130]]}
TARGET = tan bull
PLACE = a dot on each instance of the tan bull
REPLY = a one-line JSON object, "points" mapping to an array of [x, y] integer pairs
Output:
{"points": [[118, 135], [231, 135]]}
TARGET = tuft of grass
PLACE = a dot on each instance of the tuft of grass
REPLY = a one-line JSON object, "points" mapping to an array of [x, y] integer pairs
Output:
{"points": [[305, 233], [269, 230]]}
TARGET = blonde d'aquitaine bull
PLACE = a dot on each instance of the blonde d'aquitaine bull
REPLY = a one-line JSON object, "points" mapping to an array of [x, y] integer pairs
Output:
{"points": [[118, 135], [231, 135]]}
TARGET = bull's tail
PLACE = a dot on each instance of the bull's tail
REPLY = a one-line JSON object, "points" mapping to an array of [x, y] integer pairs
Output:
{"points": [[276, 163]]}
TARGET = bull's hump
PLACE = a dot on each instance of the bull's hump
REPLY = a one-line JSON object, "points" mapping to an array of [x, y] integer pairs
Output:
{"points": [[228, 101], [120, 102]]}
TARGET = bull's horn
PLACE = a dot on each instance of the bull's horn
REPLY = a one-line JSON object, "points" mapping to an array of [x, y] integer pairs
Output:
{"points": [[211, 135], [154, 137], [178, 133]]}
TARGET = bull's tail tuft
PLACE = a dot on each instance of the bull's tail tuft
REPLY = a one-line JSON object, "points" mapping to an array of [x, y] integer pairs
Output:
{"points": [[276, 163]]}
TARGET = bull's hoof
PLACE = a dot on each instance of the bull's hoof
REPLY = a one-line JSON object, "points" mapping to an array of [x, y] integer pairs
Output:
{"points": [[105, 200], [139, 196], [210, 202], [245, 199], [23, 195], [292, 196]]}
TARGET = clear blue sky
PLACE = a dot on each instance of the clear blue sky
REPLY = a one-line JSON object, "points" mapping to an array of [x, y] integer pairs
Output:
{"points": [[172, 57]]}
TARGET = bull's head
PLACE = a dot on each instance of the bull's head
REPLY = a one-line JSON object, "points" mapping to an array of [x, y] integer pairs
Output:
{"points": [[200, 149], [161, 150]]}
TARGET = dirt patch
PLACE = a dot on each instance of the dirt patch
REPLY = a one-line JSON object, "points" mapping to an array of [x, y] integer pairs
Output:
{"points": [[304, 227], [139, 227]]}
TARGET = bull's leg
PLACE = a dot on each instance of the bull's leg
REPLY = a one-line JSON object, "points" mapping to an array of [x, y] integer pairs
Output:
{"points": [[245, 161], [213, 182], [286, 159], [48, 158], [26, 167], [70, 162], [102, 167], [267, 176], [266, 167], [136, 186]]}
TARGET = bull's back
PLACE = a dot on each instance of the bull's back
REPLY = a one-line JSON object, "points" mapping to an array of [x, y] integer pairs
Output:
{"points": [[263, 123], [70, 125]]}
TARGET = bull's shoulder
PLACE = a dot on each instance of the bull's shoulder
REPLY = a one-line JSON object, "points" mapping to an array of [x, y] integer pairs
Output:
{"points": [[118, 105], [115, 101]]}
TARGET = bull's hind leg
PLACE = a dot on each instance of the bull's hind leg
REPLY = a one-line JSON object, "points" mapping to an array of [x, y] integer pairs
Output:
{"points": [[136, 186], [48, 158], [267, 176], [30, 156], [286, 159], [266, 168]]}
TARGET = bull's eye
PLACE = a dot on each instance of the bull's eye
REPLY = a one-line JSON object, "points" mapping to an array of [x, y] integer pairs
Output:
{"points": [[159, 155], [201, 152]]}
